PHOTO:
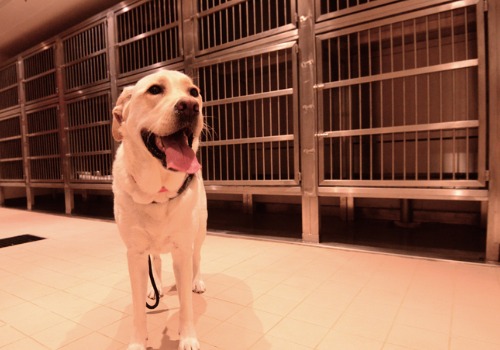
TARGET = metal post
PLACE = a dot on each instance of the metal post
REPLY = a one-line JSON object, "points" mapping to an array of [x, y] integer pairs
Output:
{"points": [[493, 225], [247, 203], [406, 211], [188, 34], [63, 124], [347, 208], [308, 122], [24, 132], [112, 63]]}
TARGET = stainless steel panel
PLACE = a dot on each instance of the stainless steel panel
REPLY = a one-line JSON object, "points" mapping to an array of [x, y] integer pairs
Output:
{"points": [[85, 57], [223, 23], [11, 152], [40, 75], [148, 35], [399, 101], [9, 95], [250, 118], [327, 9], [43, 145], [90, 146]]}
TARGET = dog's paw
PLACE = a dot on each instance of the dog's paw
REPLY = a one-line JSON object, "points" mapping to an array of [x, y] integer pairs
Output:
{"points": [[199, 286], [151, 292], [189, 343], [136, 346]]}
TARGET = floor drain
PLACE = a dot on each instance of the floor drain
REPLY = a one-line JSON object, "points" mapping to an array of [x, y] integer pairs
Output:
{"points": [[10, 241]]}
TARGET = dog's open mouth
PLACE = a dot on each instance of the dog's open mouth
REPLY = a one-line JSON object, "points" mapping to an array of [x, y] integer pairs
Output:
{"points": [[174, 150]]}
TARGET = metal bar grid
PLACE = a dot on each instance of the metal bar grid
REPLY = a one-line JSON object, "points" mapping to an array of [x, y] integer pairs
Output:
{"points": [[11, 151], [328, 9], [250, 120], [9, 94], [43, 145], [85, 57], [89, 138], [223, 23], [148, 35], [399, 102], [40, 75]]}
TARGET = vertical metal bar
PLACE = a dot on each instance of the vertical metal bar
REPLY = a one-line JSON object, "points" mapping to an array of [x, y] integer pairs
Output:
{"points": [[381, 97]]}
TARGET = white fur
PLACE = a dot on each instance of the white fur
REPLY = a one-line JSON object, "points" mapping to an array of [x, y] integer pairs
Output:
{"points": [[149, 220]]}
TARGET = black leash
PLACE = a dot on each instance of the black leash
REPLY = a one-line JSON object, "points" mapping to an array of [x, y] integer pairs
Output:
{"points": [[184, 186], [157, 293]]}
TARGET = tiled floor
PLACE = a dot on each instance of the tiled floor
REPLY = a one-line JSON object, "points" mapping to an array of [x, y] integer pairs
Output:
{"points": [[71, 291]]}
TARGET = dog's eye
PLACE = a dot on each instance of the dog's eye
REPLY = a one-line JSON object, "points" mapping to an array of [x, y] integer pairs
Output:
{"points": [[155, 90], [194, 92]]}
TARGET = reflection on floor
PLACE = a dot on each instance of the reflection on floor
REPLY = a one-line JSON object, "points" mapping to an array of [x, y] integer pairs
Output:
{"points": [[445, 241], [71, 291]]}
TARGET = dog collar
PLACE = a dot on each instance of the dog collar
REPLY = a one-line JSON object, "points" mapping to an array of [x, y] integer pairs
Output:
{"points": [[184, 186], [181, 189]]}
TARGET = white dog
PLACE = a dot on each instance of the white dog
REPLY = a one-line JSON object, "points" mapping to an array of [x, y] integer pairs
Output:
{"points": [[160, 201]]}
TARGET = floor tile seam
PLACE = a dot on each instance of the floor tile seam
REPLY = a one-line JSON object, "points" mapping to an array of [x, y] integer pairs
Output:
{"points": [[47, 284], [253, 330], [393, 323], [87, 332], [32, 336], [93, 332], [284, 318], [41, 307], [452, 320], [474, 338], [342, 313], [26, 336], [351, 334], [205, 340], [72, 317], [219, 297]]}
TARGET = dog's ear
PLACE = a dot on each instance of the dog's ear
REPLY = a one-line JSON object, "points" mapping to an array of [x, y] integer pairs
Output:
{"points": [[118, 112]]}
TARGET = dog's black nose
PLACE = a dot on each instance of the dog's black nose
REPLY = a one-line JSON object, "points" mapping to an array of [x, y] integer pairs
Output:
{"points": [[186, 108]]}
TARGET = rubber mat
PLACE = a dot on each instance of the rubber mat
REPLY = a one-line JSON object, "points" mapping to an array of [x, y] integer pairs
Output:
{"points": [[10, 241]]}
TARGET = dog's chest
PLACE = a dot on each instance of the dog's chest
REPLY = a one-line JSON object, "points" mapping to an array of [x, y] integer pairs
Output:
{"points": [[166, 228]]}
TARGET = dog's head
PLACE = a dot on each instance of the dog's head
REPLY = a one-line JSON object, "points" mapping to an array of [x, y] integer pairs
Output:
{"points": [[163, 114]]}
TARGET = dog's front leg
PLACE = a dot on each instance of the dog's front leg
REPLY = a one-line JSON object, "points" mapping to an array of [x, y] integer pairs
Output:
{"points": [[183, 269], [138, 271]]}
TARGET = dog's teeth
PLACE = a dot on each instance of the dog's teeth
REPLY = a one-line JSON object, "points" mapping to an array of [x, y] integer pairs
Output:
{"points": [[159, 143]]}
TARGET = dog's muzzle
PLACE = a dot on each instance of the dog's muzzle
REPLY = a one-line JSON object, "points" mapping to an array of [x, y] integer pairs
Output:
{"points": [[174, 151]]}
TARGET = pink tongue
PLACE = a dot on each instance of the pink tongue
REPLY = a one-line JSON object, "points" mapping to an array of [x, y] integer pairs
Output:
{"points": [[180, 156]]}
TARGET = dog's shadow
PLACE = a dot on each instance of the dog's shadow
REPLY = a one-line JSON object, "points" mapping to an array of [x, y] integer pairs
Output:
{"points": [[215, 313], [166, 317]]}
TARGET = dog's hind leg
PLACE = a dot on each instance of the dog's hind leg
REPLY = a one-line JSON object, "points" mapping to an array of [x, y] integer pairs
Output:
{"points": [[138, 271], [156, 263]]}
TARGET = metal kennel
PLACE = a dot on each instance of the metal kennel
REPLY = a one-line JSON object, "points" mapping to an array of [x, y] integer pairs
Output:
{"points": [[401, 100], [251, 118], [318, 100]]}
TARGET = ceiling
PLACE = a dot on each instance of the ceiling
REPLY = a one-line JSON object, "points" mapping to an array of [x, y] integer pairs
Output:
{"points": [[26, 23]]}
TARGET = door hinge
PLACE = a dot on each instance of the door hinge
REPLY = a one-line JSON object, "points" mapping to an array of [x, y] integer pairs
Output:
{"points": [[486, 175]]}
